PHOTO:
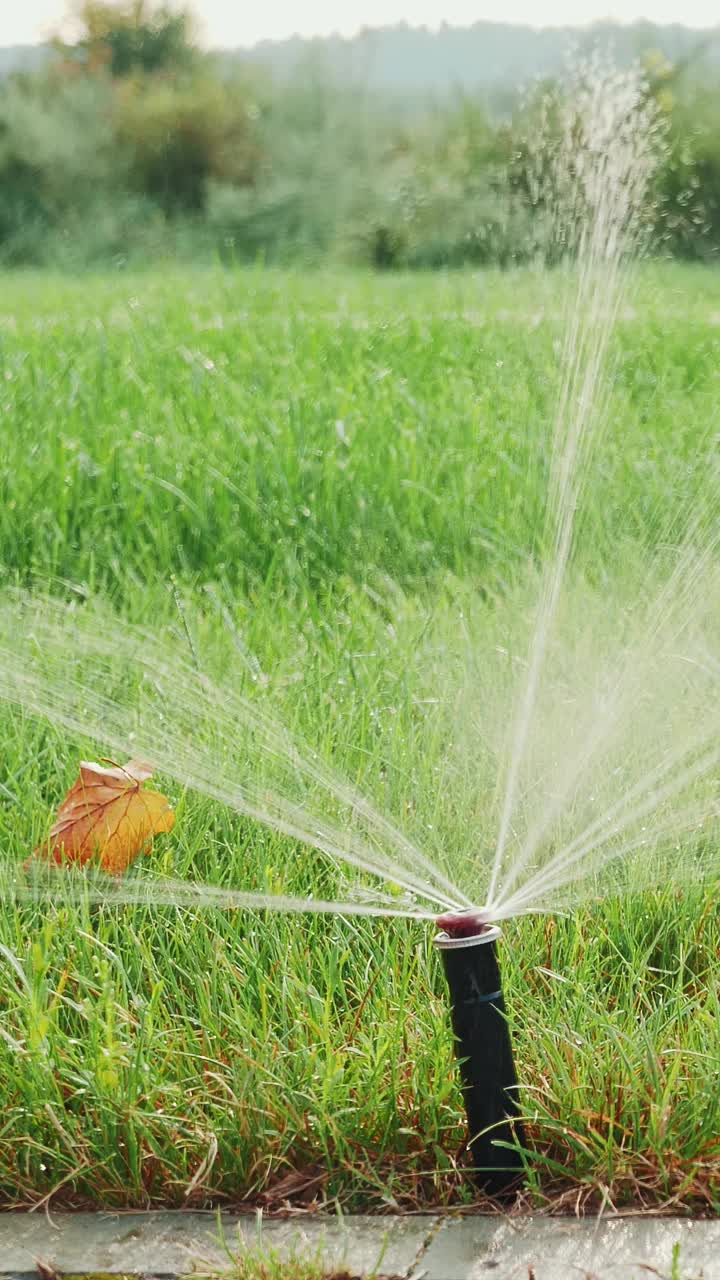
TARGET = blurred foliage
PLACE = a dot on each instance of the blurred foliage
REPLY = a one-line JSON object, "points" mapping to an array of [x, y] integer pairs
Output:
{"points": [[178, 135], [130, 37], [132, 143]]}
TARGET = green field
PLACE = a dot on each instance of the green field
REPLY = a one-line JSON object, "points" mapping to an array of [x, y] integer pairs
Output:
{"points": [[321, 487]]}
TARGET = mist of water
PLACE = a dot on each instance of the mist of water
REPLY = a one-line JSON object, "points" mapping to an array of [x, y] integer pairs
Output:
{"points": [[605, 751], [622, 755], [598, 175], [81, 672]]}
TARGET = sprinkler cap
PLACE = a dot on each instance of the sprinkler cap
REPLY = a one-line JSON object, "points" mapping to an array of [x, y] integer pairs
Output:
{"points": [[467, 928]]}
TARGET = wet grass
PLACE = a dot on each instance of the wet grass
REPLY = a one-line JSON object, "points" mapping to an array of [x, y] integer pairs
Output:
{"points": [[320, 485]]}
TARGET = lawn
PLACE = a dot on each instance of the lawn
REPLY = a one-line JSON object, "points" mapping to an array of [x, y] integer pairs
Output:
{"points": [[325, 492]]}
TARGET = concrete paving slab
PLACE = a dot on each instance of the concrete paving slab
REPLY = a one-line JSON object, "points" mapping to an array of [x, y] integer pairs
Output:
{"points": [[487, 1248], [172, 1244], [426, 1248]]}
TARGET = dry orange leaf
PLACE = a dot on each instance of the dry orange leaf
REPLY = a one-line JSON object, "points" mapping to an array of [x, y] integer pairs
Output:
{"points": [[107, 815]]}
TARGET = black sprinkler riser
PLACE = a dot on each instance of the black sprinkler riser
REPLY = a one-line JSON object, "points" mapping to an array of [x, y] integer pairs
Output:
{"points": [[487, 1067]]}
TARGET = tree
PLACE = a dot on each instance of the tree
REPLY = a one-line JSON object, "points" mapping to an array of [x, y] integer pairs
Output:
{"points": [[179, 136], [130, 37]]}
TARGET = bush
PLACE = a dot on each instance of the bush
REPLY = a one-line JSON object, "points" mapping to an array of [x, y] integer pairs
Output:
{"points": [[689, 185], [180, 135], [133, 142], [57, 151]]}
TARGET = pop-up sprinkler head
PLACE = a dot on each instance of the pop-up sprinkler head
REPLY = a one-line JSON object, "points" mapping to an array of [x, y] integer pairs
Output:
{"points": [[469, 923], [467, 945]]}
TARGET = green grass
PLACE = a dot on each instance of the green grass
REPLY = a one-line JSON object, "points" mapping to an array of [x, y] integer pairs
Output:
{"points": [[334, 477], [277, 429]]}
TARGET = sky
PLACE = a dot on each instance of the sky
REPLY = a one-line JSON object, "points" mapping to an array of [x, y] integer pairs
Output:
{"points": [[230, 23]]}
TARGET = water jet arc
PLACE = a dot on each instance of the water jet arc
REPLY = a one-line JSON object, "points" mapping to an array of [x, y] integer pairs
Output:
{"points": [[482, 1038]]}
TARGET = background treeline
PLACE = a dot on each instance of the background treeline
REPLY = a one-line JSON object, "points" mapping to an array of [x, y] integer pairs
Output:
{"points": [[128, 142]]}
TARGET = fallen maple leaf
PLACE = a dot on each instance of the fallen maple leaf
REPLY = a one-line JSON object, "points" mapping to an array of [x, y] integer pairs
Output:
{"points": [[108, 816]]}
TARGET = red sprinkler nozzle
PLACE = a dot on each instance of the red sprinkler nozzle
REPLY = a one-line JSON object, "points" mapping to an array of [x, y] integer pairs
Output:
{"points": [[463, 924]]}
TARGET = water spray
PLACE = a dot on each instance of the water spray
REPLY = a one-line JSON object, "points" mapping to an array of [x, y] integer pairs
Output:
{"points": [[482, 1038]]}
